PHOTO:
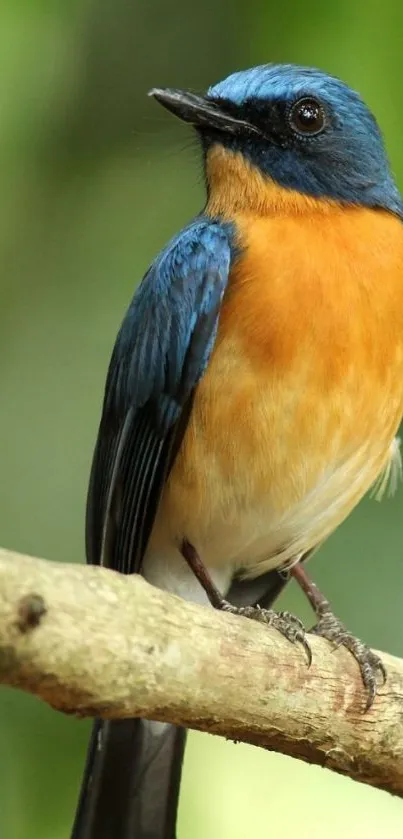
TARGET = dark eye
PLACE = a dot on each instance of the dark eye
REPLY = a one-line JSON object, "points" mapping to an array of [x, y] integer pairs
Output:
{"points": [[307, 117]]}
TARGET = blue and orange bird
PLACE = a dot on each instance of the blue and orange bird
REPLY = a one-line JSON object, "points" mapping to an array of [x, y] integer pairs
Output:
{"points": [[254, 392]]}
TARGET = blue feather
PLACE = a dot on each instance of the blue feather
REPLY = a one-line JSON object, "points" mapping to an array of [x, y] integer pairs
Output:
{"points": [[161, 351], [167, 335], [347, 161]]}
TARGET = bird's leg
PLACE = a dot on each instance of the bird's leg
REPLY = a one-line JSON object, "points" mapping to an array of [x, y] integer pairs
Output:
{"points": [[331, 628], [287, 624], [196, 565]]}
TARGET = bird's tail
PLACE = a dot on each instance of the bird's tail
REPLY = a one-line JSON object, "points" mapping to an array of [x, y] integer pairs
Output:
{"points": [[131, 783]]}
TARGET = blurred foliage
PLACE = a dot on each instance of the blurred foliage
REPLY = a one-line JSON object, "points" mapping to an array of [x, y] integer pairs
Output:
{"points": [[95, 178]]}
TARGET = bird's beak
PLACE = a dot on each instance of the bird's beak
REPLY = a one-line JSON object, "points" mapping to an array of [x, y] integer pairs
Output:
{"points": [[200, 111]]}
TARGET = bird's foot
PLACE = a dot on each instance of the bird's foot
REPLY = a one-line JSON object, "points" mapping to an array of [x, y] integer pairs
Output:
{"points": [[286, 624], [289, 626], [371, 667]]}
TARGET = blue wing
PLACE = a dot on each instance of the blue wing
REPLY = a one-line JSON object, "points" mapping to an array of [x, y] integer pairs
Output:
{"points": [[160, 354]]}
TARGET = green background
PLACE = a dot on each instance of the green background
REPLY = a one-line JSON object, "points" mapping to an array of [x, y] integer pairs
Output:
{"points": [[94, 179]]}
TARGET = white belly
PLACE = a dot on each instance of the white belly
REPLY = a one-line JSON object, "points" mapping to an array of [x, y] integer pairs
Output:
{"points": [[253, 541]]}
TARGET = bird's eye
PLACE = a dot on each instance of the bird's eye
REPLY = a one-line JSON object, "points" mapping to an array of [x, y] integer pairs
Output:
{"points": [[307, 117]]}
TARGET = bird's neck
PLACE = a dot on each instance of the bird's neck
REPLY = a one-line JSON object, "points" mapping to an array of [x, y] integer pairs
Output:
{"points": [[235, 186]]}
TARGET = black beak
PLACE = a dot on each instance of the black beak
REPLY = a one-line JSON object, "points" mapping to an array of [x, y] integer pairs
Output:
{"points": [[200, 111]]}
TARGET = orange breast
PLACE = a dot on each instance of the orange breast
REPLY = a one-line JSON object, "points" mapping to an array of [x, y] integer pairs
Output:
{"points": [[297, 412]]}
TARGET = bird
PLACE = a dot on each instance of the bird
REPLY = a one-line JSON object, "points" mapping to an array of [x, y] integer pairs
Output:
{"points": [[254, 392]]}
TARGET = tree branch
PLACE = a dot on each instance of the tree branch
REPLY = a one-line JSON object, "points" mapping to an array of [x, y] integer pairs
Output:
{"points": [[92, 642]]}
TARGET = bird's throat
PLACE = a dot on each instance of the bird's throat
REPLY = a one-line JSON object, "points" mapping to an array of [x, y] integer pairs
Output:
{"points": [[237, 186]]}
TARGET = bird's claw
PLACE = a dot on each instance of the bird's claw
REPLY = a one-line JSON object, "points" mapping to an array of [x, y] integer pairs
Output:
{"points": [[370, 664], [289, 626]]}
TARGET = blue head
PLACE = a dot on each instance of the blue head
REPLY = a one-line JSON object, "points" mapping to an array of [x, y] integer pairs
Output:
{"points": [[303, 129]]}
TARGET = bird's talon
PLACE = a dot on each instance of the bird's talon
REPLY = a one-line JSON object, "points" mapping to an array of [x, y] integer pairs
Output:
{"points": [[307, 649], [289, 626], [371, 666]]}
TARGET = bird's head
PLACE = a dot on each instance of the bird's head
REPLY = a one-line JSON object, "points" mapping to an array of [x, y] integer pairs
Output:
{"points": [[290, 128]]}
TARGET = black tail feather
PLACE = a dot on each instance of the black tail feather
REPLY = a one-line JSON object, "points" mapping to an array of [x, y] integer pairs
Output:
{"points": [[131, 783], [132, 777]]}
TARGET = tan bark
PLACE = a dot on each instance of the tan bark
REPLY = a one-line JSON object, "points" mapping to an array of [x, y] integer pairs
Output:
{"points": [[95, 643]]}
